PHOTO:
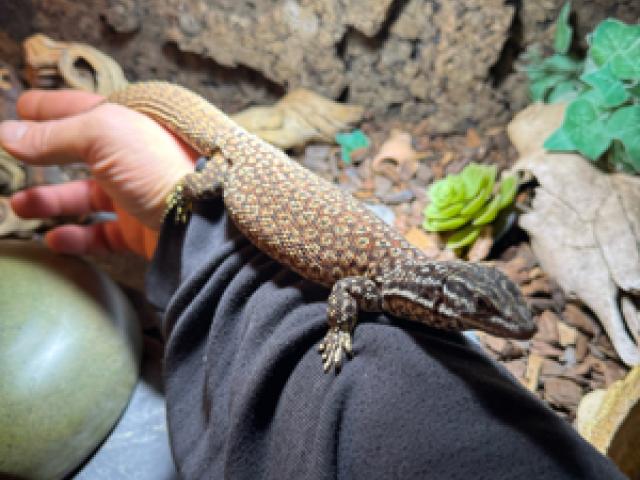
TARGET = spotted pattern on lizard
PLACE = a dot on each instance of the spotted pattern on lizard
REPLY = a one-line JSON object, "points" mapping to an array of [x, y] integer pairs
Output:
{"points": [[323, 233]]}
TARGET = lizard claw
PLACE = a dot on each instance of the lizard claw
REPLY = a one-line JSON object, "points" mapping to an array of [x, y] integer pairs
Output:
{"points": [[335, 342], [177, 200]]}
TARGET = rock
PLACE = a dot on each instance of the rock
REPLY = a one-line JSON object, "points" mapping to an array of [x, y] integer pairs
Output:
{"points": [[562, 392], [69, 353], [124, 16]]}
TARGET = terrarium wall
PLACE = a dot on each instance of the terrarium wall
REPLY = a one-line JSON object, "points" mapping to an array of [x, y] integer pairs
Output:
{"points": [[451, 61]]}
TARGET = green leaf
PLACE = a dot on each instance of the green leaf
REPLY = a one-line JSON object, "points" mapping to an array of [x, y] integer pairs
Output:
{"points": [[564, 32], [584, 125], [433, 225], [538, 89], [473, 176], [489, 212], [349, 142], [565, 91], [634, 90], [463, 237], [561, 64], [617, 44], [508, 189], [624, 125], [613, 91], [559, 141], [475, 204], [447, 191], [620, 160], [435, 212]]}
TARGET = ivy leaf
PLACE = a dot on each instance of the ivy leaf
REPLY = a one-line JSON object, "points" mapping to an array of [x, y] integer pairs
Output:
{"points": [[584, 125], [619, 159], [565, 91], [539, 88], [564, 32], [617, 44], [612, 90], [624, 125], [559, 141], [562, 64]]}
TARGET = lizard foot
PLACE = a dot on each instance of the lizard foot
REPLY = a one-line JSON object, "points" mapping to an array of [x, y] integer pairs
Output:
{"points": [[177, 200], [335, 342]]}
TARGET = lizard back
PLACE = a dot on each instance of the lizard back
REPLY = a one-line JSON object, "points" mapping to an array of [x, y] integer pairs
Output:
{"points": [[304, 221]]}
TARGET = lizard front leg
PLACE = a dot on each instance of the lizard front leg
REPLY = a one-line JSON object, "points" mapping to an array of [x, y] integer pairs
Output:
{"points": [[348, 295], [200, 185]]}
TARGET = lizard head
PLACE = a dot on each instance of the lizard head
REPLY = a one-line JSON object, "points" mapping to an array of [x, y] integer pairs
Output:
{"points": [[457, 295]]}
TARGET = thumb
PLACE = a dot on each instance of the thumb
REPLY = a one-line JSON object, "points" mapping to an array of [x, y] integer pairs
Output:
{"points": [[49, 142]]}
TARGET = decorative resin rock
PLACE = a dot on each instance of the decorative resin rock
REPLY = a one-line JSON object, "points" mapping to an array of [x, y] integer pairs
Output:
{"points": [[69, 357]]}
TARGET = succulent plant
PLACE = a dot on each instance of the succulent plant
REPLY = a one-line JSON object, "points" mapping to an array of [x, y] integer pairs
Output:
{"points": [[463, 203]]}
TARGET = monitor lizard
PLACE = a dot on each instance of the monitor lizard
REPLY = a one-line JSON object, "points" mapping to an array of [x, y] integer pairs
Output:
{"points": [[323, 233]]}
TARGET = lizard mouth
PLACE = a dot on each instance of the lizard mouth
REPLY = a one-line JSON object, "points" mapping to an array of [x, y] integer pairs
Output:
{"points": [[518, 329]]}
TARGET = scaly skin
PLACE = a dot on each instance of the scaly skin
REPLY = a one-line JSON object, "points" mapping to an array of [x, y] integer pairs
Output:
{"points": [[323, 233]]}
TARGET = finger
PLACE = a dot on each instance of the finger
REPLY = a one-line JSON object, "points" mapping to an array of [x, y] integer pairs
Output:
{"points": [[100, 238], [50, 105], [80, 197], [49, 142], [80, 240]]}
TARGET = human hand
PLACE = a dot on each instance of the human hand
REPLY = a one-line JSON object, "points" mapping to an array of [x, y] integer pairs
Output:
{"points": [[134, 161]]}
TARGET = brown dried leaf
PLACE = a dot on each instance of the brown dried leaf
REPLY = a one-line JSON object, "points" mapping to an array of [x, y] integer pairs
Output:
{"points": [[11, 224], [300, 117], [397, 158], [584, 225], [47, 59]]}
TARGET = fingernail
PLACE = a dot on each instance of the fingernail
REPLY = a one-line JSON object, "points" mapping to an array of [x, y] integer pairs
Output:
{"points": [[12, 131]]}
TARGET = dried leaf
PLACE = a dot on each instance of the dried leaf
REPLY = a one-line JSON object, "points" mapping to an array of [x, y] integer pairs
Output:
{"points": [[300, 117], [11, 224], [397, 158], [584, 226], [47, 60]]}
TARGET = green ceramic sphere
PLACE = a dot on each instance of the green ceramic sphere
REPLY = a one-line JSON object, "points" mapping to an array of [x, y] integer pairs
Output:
{"points": [[69, 357]]}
